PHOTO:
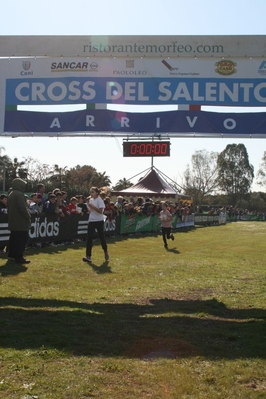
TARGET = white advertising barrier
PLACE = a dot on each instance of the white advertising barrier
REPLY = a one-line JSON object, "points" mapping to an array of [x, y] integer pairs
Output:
{"points": [[210, 219], [187, 221]]}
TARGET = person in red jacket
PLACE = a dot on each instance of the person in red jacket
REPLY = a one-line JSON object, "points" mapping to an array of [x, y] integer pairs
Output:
{"points": [[72, 206]]}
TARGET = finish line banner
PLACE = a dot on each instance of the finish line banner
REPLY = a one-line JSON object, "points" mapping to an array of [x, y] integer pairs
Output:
{"points": [[115, 123], [212, 81]]}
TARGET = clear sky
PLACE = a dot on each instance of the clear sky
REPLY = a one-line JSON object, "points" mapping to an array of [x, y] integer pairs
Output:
{"points": [[119, 17]]}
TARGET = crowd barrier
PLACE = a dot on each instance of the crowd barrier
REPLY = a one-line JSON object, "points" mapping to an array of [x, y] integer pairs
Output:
{"points": [[246, 218], [51, 228], [141, 224], [204, 219]]}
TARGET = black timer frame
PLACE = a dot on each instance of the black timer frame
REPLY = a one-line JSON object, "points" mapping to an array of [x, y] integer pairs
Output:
{"points": [[146, 148]]}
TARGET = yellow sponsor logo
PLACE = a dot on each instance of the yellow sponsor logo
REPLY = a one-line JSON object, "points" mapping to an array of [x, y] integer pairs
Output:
{"points": [[225, 67]]}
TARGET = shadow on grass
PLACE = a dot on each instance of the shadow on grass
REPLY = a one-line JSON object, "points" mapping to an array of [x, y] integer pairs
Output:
{"points": [[12, 269], [104, 268], [173, 328], [173, 250]]}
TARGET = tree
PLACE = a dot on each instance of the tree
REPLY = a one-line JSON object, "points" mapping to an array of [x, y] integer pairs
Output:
{"points": [[235, 174], [100, 179], [201, 179], [4, 161], [14, 169], [261, 174], [36, 172], [80, 176], [122, 184], [255, 201], [58, 176], [78, 180]]}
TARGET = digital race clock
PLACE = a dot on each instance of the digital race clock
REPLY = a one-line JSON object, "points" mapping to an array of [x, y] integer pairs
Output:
{"points": [[146, 149]]}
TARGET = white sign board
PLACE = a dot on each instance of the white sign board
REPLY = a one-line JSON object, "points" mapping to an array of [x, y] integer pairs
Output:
{"points": [[133, 46]]}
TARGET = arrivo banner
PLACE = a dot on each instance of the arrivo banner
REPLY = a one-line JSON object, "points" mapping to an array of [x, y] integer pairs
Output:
{"points": [[158, 124]]}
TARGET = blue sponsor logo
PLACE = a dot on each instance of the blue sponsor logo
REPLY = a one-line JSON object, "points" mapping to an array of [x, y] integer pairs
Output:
{"points": [[262, 68]]}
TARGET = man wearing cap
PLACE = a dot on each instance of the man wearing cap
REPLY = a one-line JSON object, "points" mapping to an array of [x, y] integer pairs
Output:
{"points": [[19, 221]]}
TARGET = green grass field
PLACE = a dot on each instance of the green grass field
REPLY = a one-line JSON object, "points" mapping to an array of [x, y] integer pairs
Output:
{"points": [[187, 323]]}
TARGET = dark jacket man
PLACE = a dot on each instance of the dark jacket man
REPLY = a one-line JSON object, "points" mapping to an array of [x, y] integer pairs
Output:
{"points": [[3, 210], [19, 221]]}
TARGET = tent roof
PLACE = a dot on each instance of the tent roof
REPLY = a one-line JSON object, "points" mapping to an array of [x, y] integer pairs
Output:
{"points": [[152, 185]]}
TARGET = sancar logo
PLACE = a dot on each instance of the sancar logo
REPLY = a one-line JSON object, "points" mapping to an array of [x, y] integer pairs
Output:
{"points": [[44, 229], [70, 66]]}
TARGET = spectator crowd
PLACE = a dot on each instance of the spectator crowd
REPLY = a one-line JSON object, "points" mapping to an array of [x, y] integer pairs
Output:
{"points": [[232, 212], [57, 203]]}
